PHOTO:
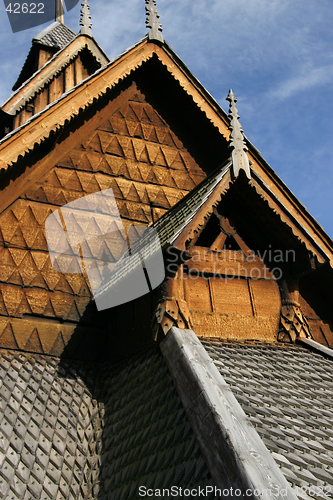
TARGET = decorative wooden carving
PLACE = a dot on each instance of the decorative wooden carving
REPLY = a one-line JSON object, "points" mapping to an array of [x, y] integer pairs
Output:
{"points": [[240, 160], [172, 308], [173, 312], [193, 229], [85, 19], [293, 323], [153, 22]]}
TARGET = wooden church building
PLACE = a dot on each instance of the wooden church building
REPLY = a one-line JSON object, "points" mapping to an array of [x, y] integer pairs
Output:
{"points": [[220, 379]]}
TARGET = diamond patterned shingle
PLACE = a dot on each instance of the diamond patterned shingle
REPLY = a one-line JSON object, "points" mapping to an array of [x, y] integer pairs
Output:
{"points": [[72, 430], [287, 393]]}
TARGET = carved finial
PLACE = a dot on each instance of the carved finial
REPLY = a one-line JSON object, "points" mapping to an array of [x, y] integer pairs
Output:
{"points": [[59, 11], [153, 22], [85, 19], [237, 141]]}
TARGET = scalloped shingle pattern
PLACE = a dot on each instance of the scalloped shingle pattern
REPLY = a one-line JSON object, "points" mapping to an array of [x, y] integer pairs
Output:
{"points": [[287, 393], [59, 36], [83, 431]]}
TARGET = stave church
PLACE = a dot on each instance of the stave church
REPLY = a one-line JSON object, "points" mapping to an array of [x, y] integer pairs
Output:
{"points": [[213, 377]]}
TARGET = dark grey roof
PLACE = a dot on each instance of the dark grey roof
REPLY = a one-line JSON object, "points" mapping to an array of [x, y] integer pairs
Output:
{"points": [[287, 392], [56, 35], [74, 430]]}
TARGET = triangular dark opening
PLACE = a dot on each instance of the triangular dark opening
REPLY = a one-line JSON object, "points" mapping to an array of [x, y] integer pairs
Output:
{"points": [[231, 244], [209, 233]]}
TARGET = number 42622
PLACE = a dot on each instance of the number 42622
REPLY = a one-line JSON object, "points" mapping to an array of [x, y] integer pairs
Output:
{"points": [[26, 8]]}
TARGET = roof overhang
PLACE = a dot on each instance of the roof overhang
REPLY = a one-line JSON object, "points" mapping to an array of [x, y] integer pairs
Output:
{"points": [[39, 127]]}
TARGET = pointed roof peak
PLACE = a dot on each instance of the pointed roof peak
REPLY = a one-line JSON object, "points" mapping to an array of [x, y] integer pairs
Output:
{"points": [[59, 11], [85, 19], [231, 96], [152, 22], [240, 160]]}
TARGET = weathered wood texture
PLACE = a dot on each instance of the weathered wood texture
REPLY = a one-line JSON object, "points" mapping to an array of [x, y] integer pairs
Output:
{"points": [[230, 296], [134, 152], [317, 347], [321, 332], [234, 452], [69, 76]]}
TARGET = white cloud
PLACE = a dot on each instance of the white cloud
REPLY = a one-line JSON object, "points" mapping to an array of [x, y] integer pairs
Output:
{"points": [[315, 77]]}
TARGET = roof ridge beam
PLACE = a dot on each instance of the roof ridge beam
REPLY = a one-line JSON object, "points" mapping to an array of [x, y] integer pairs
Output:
{"points": [[235, 454]]}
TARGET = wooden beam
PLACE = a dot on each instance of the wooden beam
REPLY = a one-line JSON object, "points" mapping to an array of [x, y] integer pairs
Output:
{"points": [[317, 347], [191, 231]]}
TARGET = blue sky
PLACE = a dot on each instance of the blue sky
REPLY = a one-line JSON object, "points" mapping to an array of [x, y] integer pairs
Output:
{"points": [[276, 55]]}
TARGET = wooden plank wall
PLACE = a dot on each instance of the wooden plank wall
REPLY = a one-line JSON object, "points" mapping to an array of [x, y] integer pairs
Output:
{"points": [[70, 76], [233, 304], [321, 331]]}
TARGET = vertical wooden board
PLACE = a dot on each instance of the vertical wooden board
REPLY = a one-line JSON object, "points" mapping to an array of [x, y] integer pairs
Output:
{"points": [[197, 293], [307, 309], [44, 56], [69, 77], [56, 87], [78, 70], [231, 296], [22, 118], [266, 297], [41, 100]]}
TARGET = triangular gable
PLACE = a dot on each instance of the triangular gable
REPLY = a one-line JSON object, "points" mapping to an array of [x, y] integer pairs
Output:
{"points": [[199, 218], [53, 38], [56, 64], [280, 246], [38, 128]]}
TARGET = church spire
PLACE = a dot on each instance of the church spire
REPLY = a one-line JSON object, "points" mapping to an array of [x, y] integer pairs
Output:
{"points": [[59, 11], [152, 22], [240, 160], [85, 19]]}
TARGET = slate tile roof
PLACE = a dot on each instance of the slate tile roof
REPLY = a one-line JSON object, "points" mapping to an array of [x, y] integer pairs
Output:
{"points": [[287, 393], [72, 430], [56, 35]]}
